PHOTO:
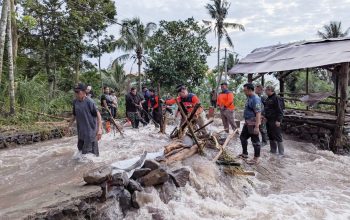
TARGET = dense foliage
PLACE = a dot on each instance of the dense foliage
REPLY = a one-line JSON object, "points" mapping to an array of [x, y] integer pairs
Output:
{"points": [[179, 54]]}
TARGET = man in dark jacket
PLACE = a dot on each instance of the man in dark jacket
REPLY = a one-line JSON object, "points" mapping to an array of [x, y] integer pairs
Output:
{"points": [[146, 97], [274, 116], [154, 104], [133, 104], [259, 90]]}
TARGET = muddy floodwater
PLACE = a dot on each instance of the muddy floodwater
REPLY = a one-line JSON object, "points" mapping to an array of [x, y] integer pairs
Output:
{"points": [[306, 184]]}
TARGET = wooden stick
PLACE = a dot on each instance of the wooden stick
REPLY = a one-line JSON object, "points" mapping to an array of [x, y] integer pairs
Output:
{"points": [[211, 121], [184, 125], [190, 126], [115, 123], [225, 144], [175, 151]]}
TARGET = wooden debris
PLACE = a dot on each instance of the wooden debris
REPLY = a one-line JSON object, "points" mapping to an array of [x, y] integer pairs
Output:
{"points": [[238, 172], [181, 155], [225, 144], [172, 146], [189, 125]]}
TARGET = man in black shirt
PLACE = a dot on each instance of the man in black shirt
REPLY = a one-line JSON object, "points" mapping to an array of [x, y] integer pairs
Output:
{"points": [[88, 119], [259, 90], [133, 104], [274, 115]]}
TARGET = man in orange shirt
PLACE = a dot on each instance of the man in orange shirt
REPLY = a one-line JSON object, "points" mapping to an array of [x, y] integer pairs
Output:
{"points": [[227, 108], [189, 100]]}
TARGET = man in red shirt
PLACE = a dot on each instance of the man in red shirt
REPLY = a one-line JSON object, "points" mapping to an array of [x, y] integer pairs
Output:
{"points": [[189, 100]]}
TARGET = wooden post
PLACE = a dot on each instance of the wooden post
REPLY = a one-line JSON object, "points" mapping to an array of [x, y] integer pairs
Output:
{"points": [[343, 90], [263, 80], [307, 85], [250, 78], [307, 82], [282, 87], [163, 118], [336, 93]]}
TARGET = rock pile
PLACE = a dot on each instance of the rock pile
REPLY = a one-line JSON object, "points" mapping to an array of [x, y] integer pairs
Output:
{"points": [[131, 192]]}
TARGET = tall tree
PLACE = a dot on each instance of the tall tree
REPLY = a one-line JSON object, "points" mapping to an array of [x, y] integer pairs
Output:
{"points": [[98, 44], [135, 37], [3, 24], [179, 54], [332, 30], [218, 11], [10, 66]]}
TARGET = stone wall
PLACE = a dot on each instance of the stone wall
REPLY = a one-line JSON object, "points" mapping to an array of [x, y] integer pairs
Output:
{"points": [[322, 137], [19, 138]]}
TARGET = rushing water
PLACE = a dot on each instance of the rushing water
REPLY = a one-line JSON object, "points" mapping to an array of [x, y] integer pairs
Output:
{"points": [[305, 184]]}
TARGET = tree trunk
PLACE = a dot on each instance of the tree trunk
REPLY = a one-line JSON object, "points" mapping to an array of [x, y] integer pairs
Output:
{"points": [[219, 71], [14, 31], [3, 21], [139, 71], [77, 70], [11, 67], [46, 57]]}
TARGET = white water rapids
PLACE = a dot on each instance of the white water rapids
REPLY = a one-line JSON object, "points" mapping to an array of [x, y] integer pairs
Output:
{"points": [[306, 184]]}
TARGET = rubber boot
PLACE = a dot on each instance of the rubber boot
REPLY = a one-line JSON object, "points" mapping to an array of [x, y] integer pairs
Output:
{"points": [[280, 148], [273, 147]]}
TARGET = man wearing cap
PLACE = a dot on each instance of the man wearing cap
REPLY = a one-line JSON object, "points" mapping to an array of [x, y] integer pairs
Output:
{"points": [[189, 100], [89, 123], [227, 108]]}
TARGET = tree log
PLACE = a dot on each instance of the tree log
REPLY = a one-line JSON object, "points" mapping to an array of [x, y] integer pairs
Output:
{"points": [[172, 146], [185, 153]]}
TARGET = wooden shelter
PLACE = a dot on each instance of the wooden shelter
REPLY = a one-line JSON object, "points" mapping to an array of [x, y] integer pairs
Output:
{"points": [[332, 55]]}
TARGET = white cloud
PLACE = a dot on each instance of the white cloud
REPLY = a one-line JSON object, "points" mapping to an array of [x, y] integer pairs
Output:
{"points": [[267, 22]]}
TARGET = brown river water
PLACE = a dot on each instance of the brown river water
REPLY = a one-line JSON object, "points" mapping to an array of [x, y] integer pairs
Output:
{"points": [[306, 184]]}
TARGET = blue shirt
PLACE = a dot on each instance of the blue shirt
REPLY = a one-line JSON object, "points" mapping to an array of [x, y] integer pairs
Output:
{"points": [[253, 105]]}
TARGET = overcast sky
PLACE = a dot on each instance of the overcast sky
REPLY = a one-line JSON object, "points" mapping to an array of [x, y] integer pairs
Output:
{"points": [[267, 22]]}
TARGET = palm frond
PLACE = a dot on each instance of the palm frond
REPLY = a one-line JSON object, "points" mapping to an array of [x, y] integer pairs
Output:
{"points": [[234, 26], [228, 39]]}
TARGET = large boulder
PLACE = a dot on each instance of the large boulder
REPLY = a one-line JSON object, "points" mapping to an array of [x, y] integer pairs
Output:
{"points": [[154, 178], [140, 199], [167, 191], [119, 179], [180, 176], [125, 200], [98, 175], [151, 164], [138, 173], [134, 186]]}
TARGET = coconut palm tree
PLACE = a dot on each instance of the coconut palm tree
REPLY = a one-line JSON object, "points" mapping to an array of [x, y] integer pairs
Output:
{"points": [[332, 30], [218, 11], [135, 37], [116, 78]]}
